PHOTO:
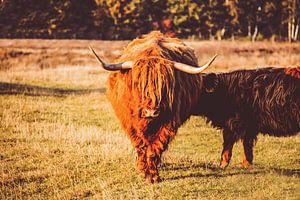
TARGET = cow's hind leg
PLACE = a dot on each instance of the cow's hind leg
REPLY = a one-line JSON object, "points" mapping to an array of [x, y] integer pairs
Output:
{"points": [[248, 143], [154, 153], [229, 140]]}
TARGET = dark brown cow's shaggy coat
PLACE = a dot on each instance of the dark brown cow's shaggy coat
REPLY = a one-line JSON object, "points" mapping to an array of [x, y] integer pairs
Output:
{"points": [[247, 102]]}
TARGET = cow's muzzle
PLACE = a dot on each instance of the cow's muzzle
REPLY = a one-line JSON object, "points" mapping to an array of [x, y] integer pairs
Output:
{"points": [[149, 113]]}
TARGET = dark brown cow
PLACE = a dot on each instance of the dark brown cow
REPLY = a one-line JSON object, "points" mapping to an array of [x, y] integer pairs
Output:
{"points": [[244, 103]]}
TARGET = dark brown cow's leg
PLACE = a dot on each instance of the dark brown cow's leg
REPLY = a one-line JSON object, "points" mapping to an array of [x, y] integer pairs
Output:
{"points": [[248, 143], [229, 140], [154, 152]]}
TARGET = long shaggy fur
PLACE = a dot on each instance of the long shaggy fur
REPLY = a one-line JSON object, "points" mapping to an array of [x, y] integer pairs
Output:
{"points": [[153, 84], [266, 100], [247, 102]]}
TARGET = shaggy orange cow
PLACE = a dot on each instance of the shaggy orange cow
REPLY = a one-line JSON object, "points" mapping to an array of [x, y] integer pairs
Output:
{"points": [[153, 93]]}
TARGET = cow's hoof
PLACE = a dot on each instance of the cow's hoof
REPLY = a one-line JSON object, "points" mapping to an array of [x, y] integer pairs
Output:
{"points": [[246, 164], [156, 179], [223, 164], [150, 179]]}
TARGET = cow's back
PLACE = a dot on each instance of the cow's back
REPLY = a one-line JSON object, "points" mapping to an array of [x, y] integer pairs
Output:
{"points": [[275, 101], [265, 100]]}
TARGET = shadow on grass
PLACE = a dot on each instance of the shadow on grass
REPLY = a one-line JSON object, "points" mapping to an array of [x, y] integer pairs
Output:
{"points": [[214, 171], [286, 172], [212, 175], [184, 166], [30, 90]]}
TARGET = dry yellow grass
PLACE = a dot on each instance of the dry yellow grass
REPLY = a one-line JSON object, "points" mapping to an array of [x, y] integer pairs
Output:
{"points": [[59, 138], [41, 54]]}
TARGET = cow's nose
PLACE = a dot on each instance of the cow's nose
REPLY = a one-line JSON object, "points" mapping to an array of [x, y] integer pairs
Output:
{"points": [[149, 113]]}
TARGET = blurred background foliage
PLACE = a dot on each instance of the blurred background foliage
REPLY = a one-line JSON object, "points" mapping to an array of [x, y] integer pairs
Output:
{"points": [[277, 20]]}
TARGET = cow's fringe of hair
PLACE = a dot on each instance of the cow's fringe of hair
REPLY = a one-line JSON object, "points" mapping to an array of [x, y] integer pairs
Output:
{"points": [[152, 80], [151, 83], [155, 44]]}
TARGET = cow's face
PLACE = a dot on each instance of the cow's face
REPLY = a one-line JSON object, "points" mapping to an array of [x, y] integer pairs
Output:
{"points": [[153, 84], [149, 64], [210, 83]]}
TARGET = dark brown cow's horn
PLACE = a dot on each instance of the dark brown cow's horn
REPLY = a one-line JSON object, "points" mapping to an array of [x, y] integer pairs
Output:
{"points": [[112, 67], [191, 69]]}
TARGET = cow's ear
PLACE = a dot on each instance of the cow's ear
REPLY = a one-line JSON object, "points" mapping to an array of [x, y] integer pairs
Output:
{"points": [[210, 82]]}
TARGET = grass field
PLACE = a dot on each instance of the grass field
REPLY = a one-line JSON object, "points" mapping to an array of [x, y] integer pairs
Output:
{"points": [[59, 137]]}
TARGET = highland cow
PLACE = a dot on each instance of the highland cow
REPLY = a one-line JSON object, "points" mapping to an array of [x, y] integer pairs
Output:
{"points": [[158, 85], [153, 94], [247, 102]]}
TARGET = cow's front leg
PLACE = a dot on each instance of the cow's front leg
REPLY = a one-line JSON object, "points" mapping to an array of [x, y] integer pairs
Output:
{"points": [[229, 140], [141, 148], [248, 143], [154, 152], [153, 160], [141, 163]]}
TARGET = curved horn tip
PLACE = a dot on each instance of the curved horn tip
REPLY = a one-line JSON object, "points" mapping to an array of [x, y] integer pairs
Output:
{"points": [[112, 67], [216, 55], [194, 69], [213, 58], [97, 57]]}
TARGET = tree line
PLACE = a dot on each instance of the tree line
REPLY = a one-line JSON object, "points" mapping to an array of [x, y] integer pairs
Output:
{"points": [[125, 19]]}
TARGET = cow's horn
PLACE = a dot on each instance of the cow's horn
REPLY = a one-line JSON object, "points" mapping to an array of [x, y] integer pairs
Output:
{"points": [[112, 67], [191, 69]]}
